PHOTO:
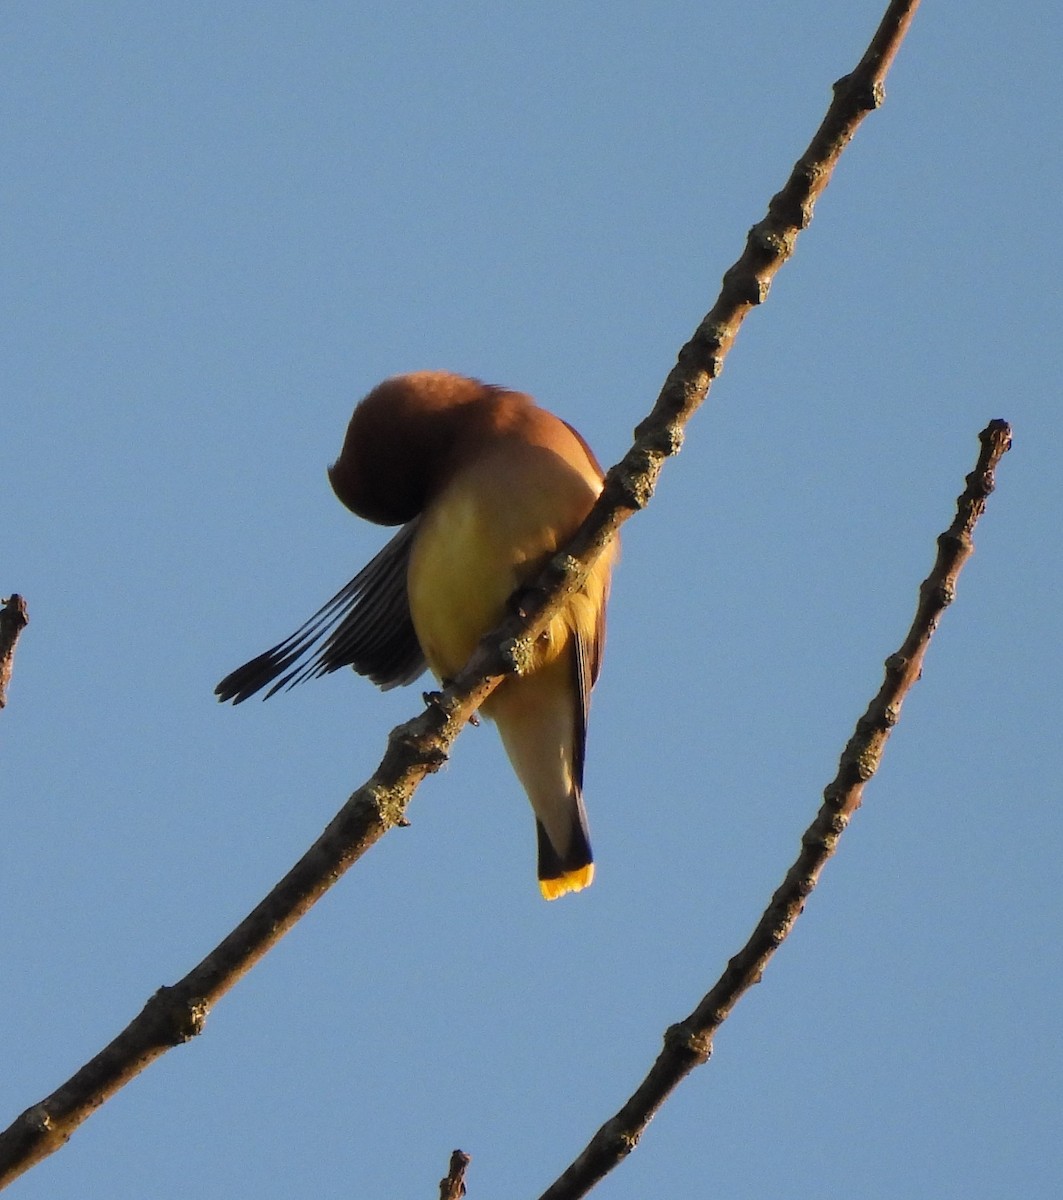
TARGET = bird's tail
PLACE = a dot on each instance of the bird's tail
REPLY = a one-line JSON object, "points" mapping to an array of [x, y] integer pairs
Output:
{"points": [[572, 872]]}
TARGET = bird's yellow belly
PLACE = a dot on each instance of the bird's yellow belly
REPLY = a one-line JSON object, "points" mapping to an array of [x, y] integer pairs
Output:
{"points": [[474, 547], [460, 576]]}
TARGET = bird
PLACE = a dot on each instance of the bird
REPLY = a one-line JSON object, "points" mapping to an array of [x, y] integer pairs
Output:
{"points": [[486, 486]]}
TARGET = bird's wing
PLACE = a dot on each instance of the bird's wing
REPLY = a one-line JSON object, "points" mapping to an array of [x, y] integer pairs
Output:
{"points": [[366, 625], [587, 653]]}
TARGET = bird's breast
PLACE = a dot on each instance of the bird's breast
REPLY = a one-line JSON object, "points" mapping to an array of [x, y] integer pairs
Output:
{"points": [[489, 529]]}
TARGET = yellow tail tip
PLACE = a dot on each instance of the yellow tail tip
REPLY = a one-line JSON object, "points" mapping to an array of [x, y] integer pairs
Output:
{"points": [[571, 881]]}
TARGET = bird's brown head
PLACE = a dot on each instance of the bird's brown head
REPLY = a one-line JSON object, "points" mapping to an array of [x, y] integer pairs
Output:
{"points": [[398, 444]]}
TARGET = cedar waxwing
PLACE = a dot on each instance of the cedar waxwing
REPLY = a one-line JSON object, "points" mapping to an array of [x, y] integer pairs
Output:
{"points": [[487, 486]]}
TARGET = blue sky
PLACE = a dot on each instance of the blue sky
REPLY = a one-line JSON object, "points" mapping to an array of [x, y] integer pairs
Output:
{"points": [[222, 225]]}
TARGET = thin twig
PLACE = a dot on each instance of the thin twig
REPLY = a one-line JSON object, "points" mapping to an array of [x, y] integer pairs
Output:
{"points": [[13, 619], [688, 1043], [452, 1186], [420, 746]]}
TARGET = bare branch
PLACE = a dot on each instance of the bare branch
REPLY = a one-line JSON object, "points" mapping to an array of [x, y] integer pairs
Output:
{"points": [[688, 1043], [421, 745], [452, 1187], [13, 619]]}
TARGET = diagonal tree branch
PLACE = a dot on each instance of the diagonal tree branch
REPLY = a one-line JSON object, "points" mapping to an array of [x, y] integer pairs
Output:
{"points": [[688, 1043], [13, 619], [420, 746]]}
